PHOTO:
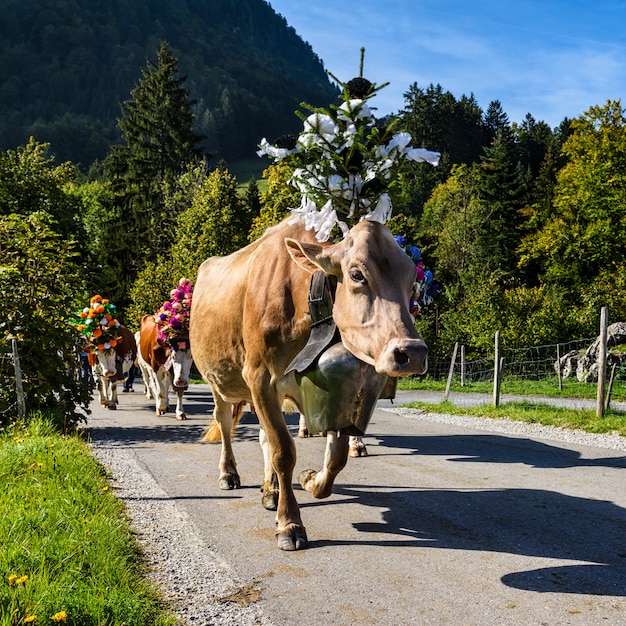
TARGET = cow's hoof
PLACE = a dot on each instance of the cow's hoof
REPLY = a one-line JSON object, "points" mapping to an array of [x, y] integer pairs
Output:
{"points": [[358, 450], [229, 481], [269, 500], [181, 416], [112, 407], [161, 412], [292, 539], [303, 433]]}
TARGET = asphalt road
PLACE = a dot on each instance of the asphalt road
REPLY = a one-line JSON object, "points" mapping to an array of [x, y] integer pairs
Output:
{"points": [[441, 524]]}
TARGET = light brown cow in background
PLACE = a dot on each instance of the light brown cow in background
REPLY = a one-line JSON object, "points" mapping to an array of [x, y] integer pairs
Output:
{"points": [[250, 318], [109, 366]]}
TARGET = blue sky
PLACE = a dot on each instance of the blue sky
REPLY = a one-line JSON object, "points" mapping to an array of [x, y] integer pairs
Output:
{"points": [[552, 59]]}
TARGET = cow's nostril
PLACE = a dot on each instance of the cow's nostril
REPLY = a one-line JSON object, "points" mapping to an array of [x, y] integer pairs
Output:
{"points": [[401, 357]]}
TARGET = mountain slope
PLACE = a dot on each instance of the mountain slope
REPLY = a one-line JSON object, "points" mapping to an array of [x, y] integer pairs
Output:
{"points": [[66, 66]]}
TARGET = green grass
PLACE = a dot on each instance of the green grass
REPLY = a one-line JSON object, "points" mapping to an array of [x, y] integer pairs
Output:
{"points": [[527, 411], [571, 388], [67, 554], [536, 413]]}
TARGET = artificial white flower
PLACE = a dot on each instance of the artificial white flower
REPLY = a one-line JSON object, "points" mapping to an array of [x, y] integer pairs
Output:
{"points": [[318, 127], [399, 141], [421, 154], [278, 154], [354, 110], [382, 211]]}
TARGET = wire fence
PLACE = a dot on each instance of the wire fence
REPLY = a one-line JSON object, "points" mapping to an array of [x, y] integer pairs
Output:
{"points": [[534, 363]]}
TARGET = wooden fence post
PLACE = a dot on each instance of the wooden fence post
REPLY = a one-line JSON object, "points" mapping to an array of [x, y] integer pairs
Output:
{"points": [[451, 372], [463, 366], [497, 371], [21, 404], [604, 323], [558, 366]]}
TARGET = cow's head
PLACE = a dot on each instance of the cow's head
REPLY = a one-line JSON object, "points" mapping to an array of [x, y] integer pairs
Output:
{"points": [[106, 359], [179, 361], [375, 280]]}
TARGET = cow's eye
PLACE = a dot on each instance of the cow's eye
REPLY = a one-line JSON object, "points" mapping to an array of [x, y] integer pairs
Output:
{"points": [[357, 276]]}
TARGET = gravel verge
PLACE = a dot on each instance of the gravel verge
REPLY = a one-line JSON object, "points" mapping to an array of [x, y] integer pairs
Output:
{"points": [[522, 429], [198, 586], [196, 582]]}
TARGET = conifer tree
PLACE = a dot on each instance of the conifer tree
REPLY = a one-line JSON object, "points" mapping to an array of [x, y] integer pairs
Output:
{"points": [[157, 128]]}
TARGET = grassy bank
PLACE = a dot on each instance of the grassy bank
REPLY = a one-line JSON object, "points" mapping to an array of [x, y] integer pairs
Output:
{"points": [[536, 413], [67, 554]]}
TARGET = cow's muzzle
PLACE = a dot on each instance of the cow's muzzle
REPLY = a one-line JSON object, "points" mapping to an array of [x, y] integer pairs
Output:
{"points": [[402, 357]]}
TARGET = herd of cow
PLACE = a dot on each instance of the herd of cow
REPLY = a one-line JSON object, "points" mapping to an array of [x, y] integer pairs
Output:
{"points": [[251, 318]]}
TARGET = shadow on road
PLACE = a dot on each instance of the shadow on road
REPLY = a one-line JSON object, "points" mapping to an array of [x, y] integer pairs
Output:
{"points": [[496, 449]]}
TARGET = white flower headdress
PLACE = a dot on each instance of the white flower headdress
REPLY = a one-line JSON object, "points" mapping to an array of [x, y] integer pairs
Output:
{"points": [[343, 162]]}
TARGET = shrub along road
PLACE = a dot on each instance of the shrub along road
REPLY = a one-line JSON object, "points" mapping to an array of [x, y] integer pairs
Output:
{"points": [[448, 520]]}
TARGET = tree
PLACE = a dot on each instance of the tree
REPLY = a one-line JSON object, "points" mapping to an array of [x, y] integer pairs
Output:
{"points": [[215, 223], [501, 193], [39, 283], [159, 142], [30, 182], [279, 198], [581, 244]]}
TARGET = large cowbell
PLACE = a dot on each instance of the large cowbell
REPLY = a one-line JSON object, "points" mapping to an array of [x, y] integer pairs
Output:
{"points": [[339, 392]]}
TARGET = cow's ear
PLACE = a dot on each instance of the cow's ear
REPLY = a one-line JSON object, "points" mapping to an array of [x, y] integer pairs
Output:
{"points": [[310, 256]]}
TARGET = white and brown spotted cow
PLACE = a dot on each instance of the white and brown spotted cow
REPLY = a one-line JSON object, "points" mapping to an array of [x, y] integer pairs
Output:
{"points": [[163, 364], [109, 365], [250, 318]]}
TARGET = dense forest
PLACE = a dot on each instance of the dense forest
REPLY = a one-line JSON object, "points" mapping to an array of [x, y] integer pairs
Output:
{"points": [[521, 224], [67, 65]]}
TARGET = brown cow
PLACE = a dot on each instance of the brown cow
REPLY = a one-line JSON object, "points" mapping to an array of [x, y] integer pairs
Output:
{"points": [[250, 318], [109, 366], [162, 363]]}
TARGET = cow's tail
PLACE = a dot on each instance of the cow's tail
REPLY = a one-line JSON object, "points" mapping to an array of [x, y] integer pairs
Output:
{"points": [[213, 434]]}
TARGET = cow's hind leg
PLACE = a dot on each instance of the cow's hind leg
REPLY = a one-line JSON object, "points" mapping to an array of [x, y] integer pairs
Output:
{"points": [[357, 447], [320, 484], [223, 416], [269, 489]]}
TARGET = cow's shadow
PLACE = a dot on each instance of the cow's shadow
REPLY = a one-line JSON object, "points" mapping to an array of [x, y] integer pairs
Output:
{"points": [[529, 522]]}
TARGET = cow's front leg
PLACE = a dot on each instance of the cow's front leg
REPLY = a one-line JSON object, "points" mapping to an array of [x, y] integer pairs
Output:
{"points": [[162, 390], [180, 412], [290, 532], [320, 484]]}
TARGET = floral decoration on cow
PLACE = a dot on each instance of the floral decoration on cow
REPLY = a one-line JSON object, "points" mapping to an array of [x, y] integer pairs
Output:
{"points": [[172, 319], [344, 163], [97, 323], [425, 288]]}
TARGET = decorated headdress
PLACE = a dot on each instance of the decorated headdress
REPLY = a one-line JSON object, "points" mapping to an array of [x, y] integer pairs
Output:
{"points": [[343, 163], [97, 323], [172, 319], [425, 287]]}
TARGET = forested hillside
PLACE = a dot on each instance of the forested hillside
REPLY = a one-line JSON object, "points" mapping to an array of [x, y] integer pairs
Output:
{"points": [[67, 65]]}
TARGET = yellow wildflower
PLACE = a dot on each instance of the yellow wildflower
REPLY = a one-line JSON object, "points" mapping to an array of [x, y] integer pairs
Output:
{"points": [[12, 579], [22, 579], [29, 619], [61, 616]]}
